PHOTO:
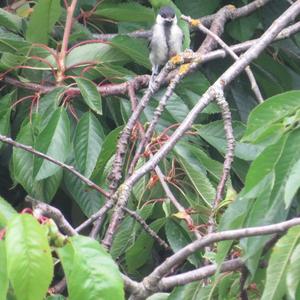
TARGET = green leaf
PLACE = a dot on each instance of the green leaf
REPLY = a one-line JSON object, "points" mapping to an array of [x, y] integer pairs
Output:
{"points": [[22, 165], [90, 271], [292, 184], [56, 297], [292, 277], [7, 212], [136, 49], [123, 238], [90, 94], [126, 234], [214, 134], [22, 168], [196, 9], [89, 201], [107, 151], [269, 207], [95, 52], [275, 287], [243, 29], [10, 21], [125, 12], [87, 143], [213, 167], [49, 103], [3, 272], [12, 43], [197, 175], [139, 253], [191, 291], [44, 16], [29, 260], [5, 112], [178, 238], [264, 164], [53, 141], [159, 296], [270, 112]]}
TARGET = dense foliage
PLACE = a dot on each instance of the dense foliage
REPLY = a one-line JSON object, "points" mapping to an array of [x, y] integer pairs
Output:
{"points": [[56, 108]]}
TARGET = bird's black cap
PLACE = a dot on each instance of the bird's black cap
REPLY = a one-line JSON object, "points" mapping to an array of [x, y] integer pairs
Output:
{"points": [[167, 12]]}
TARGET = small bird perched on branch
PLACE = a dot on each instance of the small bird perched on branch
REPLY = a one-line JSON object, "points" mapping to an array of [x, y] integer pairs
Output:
{"points": [[166, 40]]}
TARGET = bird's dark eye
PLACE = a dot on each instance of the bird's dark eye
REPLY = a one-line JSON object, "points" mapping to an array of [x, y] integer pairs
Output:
{"points": [[163, 15], [172, 16]]}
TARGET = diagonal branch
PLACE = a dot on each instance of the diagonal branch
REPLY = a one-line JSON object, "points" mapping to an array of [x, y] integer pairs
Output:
{"points": [[71, 169], [232, 72]]}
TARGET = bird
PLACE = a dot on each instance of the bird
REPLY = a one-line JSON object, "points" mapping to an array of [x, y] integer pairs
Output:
{"points": [[166, 40]]}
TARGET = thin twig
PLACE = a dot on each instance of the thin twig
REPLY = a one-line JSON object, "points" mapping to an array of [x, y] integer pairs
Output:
{"points": [[254, 85], [147, 228], [71, 169]]}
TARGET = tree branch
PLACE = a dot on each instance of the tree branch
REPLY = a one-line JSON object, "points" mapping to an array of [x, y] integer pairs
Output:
{"points": [[71, 169], [155, 281]]}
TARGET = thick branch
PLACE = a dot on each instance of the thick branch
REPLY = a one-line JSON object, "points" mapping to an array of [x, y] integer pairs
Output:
{"points": [[198, 274], [44, 209], [151, 282], [238, 12]]}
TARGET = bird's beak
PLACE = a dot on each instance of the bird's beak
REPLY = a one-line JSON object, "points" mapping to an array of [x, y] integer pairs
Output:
{"points": [[169, 20]]}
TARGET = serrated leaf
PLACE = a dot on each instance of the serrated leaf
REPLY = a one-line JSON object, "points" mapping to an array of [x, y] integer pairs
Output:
{"points": [[90, 94], [275, 287], [123, 238], [107, 151], [9, 20], [269, 206], [49, 103], [87, 143], [191, 291], [292, 184], [214, 134], [128, 229], [137, 50], [44, 16], [22, 168], [12, 43], [3, 272], [125, 12], [53, 141], [90, 271], [159, 296], [292, 277], [198, 177], [5, 111], [271, 111], [179, 238], [7, 212], [96, 53], [139, 253], [29, 260], [89, 201], [56, 297]]}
